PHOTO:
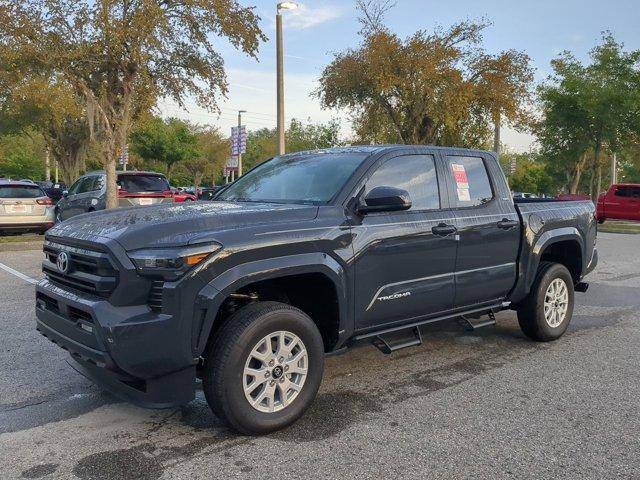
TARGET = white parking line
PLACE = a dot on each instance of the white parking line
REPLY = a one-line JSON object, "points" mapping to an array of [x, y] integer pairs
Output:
{"points": [[18, 274]]}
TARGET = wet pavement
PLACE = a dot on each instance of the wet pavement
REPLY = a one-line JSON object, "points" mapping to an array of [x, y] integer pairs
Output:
{"points": [[487, 404]]}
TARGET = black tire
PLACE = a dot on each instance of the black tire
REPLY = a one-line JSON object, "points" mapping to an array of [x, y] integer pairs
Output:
{"points": [[227, 355], [601, 221], [531, 313]]}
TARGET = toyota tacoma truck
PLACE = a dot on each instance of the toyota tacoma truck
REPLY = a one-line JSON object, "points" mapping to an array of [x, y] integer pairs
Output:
{"points": [[305, 256]]}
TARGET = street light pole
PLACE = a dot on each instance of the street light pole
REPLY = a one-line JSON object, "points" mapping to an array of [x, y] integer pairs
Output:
{"points": [[240, 112], [280, 72]]}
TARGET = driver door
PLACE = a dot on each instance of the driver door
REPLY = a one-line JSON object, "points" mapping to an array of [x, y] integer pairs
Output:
{"points": [[403, 268]]}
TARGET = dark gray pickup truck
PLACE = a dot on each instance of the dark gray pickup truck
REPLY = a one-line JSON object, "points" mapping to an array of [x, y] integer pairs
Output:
{"points": [[304, 256]]}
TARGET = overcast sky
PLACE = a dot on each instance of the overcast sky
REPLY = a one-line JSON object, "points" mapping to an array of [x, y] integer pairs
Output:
{"points": [[312, 33]]}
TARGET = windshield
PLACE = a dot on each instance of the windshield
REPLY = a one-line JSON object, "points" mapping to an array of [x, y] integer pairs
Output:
{"points": [[20, 191], [143, 183], [314, 179]]}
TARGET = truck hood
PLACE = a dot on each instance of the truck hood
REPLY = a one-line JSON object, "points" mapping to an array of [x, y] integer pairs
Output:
{"points": [[176, 224]]}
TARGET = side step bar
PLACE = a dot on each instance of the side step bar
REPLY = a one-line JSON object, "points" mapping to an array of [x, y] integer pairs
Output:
{"points": [[471, 326], [390, 343], [408, 335]]}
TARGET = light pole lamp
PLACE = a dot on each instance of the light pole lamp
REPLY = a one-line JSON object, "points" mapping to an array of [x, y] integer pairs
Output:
{"points": [[280, 72]]}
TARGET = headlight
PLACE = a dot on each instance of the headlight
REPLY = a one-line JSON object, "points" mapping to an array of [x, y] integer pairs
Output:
{"points": [[171, 263]]}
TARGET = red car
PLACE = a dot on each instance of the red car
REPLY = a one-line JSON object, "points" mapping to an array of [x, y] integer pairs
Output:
{"points": [[621, 202], [182, 196]]}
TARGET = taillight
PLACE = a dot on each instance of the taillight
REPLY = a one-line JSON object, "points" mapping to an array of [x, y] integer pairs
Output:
{"points": [[44, 201]]}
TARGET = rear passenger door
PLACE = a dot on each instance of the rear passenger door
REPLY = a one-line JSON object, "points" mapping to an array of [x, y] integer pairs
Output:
{"points": [[403, 269], [488, 229]]}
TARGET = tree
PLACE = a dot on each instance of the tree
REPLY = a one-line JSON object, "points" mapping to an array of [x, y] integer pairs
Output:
{"points": [[21, 156], [213, 151], [531, 175], [38, 105], [588, 109], [117, 54], [438, 87], [263, 144], [166, 141]]}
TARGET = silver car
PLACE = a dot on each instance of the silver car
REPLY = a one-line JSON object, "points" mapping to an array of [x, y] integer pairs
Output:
{"points": [[24, 207]]}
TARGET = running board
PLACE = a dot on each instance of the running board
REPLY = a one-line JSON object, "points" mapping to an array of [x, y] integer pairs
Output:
{"points": [[391, 342], [471, 326]]}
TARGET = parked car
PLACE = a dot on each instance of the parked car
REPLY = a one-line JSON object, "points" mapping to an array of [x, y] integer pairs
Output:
{"points": [[24, 207], [54, 190], [208, 193], [89, 193], [182, 195], [524, 195], [306, 255], [620, 202]]}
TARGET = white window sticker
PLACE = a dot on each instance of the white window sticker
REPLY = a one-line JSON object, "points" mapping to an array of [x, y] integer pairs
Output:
{"points": [[460, 176], [463, 195]]}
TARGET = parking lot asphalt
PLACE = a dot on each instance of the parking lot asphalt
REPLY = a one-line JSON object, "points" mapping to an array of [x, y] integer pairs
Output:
{"points": [[487, 404]]}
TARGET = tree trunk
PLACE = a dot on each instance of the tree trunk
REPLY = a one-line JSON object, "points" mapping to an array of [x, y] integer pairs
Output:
{"points": [[577, 174], [110, 170], [596, 171]]}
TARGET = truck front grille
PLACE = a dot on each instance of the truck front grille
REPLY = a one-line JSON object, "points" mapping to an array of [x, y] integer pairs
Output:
{"points": [[89, 270]]}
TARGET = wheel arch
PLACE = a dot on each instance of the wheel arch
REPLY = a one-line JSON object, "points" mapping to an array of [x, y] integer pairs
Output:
{"points": [[294, 270], [562, 245]]}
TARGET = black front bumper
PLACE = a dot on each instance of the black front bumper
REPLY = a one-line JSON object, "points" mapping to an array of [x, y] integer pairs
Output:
{"points": [[130, 351]]}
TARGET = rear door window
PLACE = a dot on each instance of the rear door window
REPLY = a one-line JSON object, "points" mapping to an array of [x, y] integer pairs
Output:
{"points": [[472, 186], [20, 191], [143, 183]]}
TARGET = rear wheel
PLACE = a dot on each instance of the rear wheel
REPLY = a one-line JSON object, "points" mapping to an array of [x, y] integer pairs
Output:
{"points": [[264, 368], [546, 313]]}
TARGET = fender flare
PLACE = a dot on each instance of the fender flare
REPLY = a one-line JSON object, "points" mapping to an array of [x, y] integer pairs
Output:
{"points": [[547, 239], [210, 298]]}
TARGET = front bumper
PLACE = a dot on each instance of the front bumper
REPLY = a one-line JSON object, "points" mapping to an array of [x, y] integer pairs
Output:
{"points": [[132, 351]]}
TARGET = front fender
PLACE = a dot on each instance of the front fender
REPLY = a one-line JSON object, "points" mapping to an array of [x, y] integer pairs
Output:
{"points": [[210, 298]]}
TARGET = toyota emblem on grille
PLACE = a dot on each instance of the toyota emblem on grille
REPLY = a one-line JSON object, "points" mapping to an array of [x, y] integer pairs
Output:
{"points": [[62, 262]]}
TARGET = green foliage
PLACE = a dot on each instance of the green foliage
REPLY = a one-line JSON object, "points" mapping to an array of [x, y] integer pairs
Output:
{"points": [[588, 109], [531, 175], [22, 156], [119, 56], [166, 141], [263, 144]]}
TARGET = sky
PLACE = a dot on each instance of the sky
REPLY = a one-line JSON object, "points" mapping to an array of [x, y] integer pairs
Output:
{"points": [[318, 29]]}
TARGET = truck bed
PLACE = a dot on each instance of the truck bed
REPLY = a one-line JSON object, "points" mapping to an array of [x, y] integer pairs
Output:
{"points": [[543, 219]]}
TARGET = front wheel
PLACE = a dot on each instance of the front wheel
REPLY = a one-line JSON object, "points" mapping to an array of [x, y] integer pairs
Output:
{"points": [[547, 311], [264, 368]]}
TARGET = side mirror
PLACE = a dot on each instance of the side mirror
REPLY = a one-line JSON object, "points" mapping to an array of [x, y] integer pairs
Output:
{"points": [[65, 193], [385, 199]]}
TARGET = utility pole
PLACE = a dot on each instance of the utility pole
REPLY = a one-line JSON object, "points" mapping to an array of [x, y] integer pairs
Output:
{"points": [[614, 169], [57, 171], [280, 72], [240, 112], [496, 134]]}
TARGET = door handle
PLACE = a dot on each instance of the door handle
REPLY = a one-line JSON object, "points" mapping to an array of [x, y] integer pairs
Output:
{"points": [[442, 230], [507, 224]]}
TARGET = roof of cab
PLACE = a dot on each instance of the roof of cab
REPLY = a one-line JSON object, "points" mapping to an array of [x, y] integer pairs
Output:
{"points": [[373, 149]]}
